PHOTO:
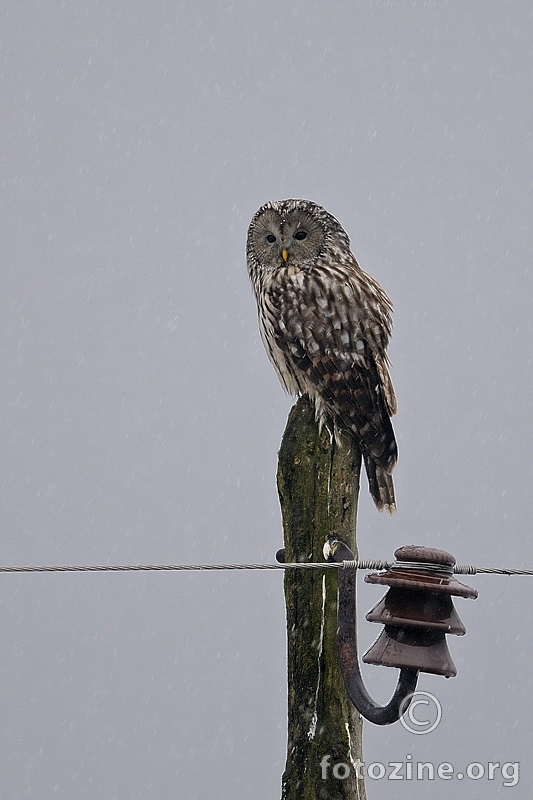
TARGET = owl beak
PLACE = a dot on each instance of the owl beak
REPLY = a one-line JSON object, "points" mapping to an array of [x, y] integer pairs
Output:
{"points": [[285, 255]]}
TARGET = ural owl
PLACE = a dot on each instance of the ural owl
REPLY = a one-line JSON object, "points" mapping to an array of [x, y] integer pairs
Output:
{"points": [[326, 325]]}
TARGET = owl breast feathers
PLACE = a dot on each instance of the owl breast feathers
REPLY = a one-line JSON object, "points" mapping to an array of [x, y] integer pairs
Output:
{"points": [[326, 325]]}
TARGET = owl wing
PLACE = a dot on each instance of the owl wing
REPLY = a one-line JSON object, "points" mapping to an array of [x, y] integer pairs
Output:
{"points": [[382, 364], [330, 355]]}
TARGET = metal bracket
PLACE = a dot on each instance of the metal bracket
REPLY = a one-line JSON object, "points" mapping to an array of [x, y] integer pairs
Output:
{"points": [[336, 550]]}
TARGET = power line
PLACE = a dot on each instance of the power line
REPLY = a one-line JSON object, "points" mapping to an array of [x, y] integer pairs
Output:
{"points": [[368, 564]]}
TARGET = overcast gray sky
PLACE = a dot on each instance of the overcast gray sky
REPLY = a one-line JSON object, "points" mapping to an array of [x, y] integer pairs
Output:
{"points": [[141, 419]]}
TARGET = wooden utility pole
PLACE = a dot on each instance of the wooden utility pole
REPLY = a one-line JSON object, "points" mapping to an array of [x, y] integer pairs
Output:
{"points": [[318, 484]]}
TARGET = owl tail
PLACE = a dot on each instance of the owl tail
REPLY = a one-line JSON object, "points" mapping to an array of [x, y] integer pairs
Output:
{"points": [[380, 485]]}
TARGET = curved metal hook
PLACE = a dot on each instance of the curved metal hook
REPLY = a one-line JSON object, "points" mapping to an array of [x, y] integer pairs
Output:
{"points": [[337, 550]]}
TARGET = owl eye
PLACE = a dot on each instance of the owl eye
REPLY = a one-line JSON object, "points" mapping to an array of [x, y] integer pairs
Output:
{"points": [[300, 235], [271, 238]]}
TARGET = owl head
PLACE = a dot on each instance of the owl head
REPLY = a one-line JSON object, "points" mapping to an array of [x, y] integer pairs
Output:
{"points": [[292, 233]]}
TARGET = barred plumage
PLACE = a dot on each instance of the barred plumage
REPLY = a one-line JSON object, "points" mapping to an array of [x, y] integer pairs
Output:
{"points": [[326, 325]]}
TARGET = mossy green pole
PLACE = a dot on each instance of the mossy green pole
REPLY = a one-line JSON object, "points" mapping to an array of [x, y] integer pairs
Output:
{"points": [[318, 485]]}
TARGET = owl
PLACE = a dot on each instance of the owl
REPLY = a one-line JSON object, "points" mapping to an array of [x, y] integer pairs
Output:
{"points": [[325, 325]]}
